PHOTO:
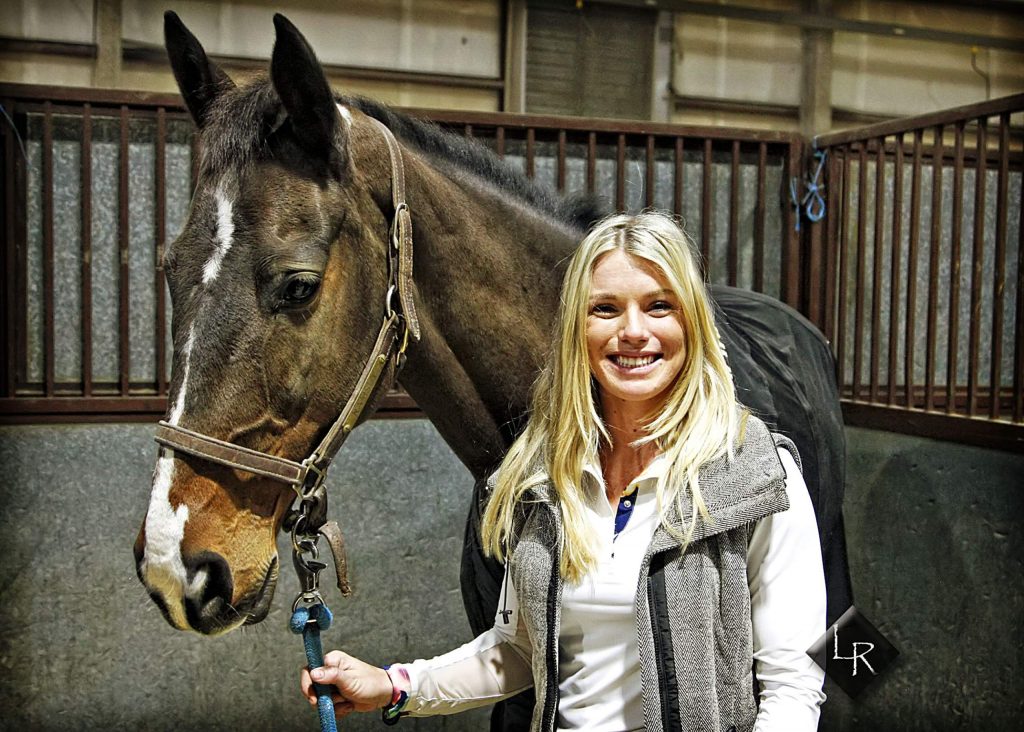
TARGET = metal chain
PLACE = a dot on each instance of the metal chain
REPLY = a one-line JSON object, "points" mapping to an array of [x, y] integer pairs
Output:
{"points": [[305, 522]]}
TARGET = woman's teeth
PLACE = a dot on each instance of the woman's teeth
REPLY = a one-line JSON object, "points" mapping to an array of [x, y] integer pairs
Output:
{"points": [[630, 362]]}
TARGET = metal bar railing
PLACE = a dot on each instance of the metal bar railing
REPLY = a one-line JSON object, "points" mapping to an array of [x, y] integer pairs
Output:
{"points": [[560, 182], [894, 268], [929, 292], [160, 225], [977, 270], [49, 349], [678, 177], [620, 172], [841, 246], [1018, 338], [909, 340], [876, 269], [995, 378], [956, 235], [124, 281], [861, 259], [705, 208], [86, 267], [933, 266], [734, 215], [8, 378], [138, 160], [759, 216], [649, 178], [923, 121]]}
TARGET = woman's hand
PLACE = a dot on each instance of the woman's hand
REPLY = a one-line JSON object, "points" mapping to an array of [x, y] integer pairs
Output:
{"points": [[358, 686]]}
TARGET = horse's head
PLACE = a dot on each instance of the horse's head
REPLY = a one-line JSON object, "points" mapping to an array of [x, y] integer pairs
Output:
{"points": [[277, 282]]}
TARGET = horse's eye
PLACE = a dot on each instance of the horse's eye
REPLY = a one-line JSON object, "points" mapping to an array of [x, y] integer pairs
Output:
{"points": [[300, 289]]}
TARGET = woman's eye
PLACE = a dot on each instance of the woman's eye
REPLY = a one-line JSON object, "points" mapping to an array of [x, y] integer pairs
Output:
{"points": [[603, 309], [300, 290], [661, 306]]}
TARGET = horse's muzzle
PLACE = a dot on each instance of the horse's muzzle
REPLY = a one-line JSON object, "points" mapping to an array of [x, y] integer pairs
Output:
{"points": [[204, 603]]}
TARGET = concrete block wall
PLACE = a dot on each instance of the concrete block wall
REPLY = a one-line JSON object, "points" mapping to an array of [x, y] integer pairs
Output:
{"points": [[935, 531], [82, 647], [936, 537]]}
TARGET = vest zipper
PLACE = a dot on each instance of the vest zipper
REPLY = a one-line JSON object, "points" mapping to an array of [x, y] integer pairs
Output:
{"points": [[664, 655]]}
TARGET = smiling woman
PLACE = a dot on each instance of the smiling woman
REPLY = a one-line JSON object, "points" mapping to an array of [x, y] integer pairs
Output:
{"points": [[634, 333], [658, 540]]}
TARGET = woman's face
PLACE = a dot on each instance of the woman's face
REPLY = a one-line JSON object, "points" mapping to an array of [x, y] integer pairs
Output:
{"points": [[634, 333]]}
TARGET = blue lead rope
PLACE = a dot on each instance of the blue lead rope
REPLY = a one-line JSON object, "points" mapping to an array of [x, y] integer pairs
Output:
{"points": [[310, 620], [813, 202]]}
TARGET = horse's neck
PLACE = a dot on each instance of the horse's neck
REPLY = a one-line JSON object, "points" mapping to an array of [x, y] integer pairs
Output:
{"points": [[487, 273]]}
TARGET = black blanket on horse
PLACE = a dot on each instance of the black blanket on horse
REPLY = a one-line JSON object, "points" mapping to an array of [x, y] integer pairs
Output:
{"points": [[784, 373]]}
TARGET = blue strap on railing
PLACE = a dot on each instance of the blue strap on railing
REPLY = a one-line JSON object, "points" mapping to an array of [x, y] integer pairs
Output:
{"points": [[812, 205], [310, 620]]}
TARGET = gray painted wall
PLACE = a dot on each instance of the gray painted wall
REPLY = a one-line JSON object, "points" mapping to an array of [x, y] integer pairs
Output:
{"points": [[936, 535], [82, 647], [935, 532]]}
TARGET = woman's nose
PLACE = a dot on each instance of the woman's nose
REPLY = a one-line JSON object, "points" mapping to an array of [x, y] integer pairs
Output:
{"points": [[634, 327]]}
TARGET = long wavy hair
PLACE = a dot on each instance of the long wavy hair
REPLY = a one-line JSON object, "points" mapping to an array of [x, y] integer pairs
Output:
{"points": [[697, 422]]}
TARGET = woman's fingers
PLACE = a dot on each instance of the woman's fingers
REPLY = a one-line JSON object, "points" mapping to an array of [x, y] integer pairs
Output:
{"points": [[342, 709], [326, 675], [334, 658], [356, 685], [306, 684]]}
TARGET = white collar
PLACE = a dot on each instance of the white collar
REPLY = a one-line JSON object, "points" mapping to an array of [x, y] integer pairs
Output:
{"points": [[653, 472]]}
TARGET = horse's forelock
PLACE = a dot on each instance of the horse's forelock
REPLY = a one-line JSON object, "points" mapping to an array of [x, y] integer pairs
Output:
{"points": [[238, 127]]}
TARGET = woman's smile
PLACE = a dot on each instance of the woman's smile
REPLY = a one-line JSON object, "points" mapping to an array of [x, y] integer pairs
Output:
{"points": [[635, 364]]}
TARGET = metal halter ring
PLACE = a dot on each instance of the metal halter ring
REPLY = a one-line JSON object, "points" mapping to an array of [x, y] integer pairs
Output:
{"points": [[389, 300]]}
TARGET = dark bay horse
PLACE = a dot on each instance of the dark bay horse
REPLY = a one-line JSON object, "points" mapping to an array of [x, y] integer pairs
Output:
{"points": [[277, 283]]}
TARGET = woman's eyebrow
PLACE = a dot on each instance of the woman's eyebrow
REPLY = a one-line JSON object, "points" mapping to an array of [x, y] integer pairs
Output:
{"points": [[663, 292]]}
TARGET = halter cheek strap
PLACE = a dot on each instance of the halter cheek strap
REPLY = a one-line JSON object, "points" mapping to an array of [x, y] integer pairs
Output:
{"points": [[400, 321]]}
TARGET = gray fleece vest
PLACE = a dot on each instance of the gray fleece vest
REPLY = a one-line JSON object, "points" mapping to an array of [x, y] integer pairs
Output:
{"points": [[692, 608]]}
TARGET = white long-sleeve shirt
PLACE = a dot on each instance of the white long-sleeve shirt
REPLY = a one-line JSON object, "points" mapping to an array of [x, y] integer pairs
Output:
{"points": [[599, 667]]}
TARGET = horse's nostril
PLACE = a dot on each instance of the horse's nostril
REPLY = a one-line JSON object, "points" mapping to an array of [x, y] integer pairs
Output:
{"points": [[210, 587]]}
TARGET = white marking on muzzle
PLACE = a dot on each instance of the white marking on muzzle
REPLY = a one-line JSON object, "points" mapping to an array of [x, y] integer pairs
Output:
{"points": [[162, 566]]}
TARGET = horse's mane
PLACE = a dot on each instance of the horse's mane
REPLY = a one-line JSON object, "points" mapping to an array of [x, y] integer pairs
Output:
{"points": [[239, 125]]}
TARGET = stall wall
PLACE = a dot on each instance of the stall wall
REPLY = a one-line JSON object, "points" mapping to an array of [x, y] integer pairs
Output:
{"points": [[432, 37], [934, 530], [730, 60]]}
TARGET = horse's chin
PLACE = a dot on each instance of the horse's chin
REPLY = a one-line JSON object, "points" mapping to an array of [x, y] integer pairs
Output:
{"points": [[258, 606]]}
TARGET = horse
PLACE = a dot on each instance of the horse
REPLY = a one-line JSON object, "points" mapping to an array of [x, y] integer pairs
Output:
{"points": [[277, 281]]}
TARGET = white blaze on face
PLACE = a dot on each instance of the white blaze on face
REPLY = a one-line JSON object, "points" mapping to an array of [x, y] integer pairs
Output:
{"points": [[162, 564], [225, 230]]}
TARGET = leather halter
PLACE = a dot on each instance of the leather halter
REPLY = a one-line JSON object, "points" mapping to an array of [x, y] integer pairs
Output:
{"points": [[399, 322]]}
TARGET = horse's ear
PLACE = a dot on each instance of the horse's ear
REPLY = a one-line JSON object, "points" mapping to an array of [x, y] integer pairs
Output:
{"points": [[302, 86], [200, 80]]}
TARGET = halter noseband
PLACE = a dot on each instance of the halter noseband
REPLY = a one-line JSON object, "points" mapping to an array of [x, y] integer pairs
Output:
{"points": [[307, 477]]}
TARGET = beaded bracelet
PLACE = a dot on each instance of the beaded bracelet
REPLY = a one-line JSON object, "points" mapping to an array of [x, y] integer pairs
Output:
{"points": [[399, 698]]}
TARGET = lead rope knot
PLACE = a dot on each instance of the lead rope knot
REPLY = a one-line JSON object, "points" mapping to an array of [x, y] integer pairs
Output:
{"points": [[813, 202], [309, 620]]}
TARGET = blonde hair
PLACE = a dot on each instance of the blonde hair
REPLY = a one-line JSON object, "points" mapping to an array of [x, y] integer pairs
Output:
{"points": [[697, 423]]}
